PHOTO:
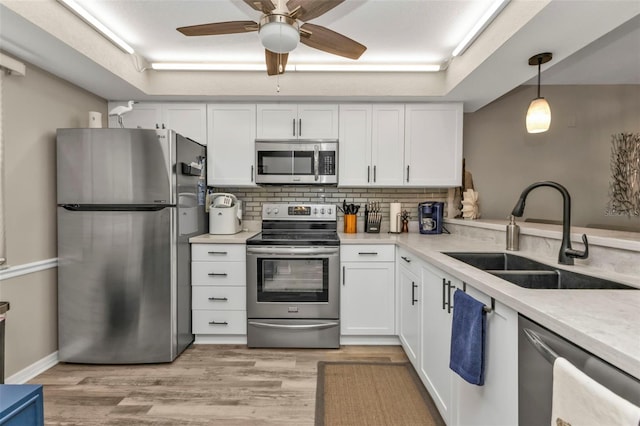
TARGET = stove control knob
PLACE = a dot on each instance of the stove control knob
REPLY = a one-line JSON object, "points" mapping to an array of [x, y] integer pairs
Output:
{"points": [[275, 211], [268, 211], [321, 211], [328, 211]]}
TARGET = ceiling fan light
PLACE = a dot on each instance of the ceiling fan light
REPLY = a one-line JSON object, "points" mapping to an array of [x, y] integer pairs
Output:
{"points": [[538, 116], [279, 33]]}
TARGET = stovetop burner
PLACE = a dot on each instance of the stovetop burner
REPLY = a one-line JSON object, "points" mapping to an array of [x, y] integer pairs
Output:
{"points": [[298, 239], [297, 224]]}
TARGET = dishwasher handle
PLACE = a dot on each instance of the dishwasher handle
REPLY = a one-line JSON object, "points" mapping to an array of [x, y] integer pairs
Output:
{"points": [[544, 349]]}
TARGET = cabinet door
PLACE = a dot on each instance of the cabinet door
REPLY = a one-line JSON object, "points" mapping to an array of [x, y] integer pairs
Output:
{"points": [[410, 313], [387, 145], [188, 119], [496, 402], [367, 298], [277, 121], [433, 145], [354, 145], [231, 150], [436, 338], [317, 121], [142, 116]]}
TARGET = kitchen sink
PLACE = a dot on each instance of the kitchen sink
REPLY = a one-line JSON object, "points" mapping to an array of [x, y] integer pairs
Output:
{"points": [[500, 262], [528, 273]]}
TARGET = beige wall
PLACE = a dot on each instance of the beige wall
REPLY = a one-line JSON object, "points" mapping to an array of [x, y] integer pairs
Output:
{"points": [[33, 107], [575, 152]]}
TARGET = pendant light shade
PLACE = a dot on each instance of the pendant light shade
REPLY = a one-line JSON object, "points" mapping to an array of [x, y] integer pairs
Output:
{"points": [[539, 112], [538, 116], [279, 33]]}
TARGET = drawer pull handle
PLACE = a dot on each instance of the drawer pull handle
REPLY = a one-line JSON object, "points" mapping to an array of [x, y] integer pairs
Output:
{"points": [[406, 259], [216, 274], [223, 253], [373, 253], [218, 323], [224, 299]]}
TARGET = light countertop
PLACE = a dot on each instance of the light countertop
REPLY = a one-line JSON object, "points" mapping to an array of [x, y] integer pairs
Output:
{"points": [[239, 238], [604, 322]]}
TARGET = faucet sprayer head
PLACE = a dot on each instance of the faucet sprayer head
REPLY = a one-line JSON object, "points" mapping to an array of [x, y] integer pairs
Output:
{"points": [[518, 210]]}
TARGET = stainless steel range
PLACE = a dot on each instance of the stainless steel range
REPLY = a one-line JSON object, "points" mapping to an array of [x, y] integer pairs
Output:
{"points": [[293, 274]]}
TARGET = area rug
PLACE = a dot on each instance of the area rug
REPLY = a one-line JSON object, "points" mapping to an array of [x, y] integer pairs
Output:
{"points": [[372, 393]]}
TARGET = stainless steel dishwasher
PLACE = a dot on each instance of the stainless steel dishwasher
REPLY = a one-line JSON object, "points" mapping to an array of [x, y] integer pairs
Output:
{"points": [[537, 349]]}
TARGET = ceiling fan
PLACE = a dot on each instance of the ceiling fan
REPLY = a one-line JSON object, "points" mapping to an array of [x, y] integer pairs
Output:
{"points": [[280, 31]]}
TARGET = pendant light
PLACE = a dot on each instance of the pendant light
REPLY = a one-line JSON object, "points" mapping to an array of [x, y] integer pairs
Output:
{"points": [[539, 113]]}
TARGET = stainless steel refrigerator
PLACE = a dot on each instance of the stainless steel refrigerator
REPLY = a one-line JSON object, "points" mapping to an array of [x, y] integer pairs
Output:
{"points": [[128, 201]]}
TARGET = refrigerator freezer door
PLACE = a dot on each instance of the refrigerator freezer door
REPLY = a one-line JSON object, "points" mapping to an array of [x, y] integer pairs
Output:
{"points": [[115, 166], [117, 286]]}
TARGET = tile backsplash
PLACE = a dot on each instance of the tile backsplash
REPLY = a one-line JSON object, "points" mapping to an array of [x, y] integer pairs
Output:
{"points": [[253, 198]]}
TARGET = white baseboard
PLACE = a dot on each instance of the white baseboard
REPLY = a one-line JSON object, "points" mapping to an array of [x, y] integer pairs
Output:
{"points": [[370, 340], [38, 367], [210, 339]]}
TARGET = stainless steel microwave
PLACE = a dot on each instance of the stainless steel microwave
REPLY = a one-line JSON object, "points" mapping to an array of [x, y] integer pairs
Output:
{"points": [[297, 162]]}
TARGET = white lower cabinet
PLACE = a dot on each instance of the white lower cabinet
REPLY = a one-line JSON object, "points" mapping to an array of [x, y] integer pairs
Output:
{"points": [[367, 290], [218, 289], [496, 402], [410, 305], [425, 304], [437, 312]]}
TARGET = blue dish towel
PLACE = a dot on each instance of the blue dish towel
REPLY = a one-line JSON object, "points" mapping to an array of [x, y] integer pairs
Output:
{"points": [[467, 338]]}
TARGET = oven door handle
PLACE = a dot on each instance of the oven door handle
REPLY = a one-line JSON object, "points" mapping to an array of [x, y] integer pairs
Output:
{"points": [[311, 251], [295, 326]]}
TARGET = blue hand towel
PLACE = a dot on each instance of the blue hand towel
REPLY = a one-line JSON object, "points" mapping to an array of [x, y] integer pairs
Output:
{"points": [[467, 338]]}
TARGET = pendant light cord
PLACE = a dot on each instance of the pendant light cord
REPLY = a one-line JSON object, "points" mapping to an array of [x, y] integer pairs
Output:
{"points": [[539, 63]]}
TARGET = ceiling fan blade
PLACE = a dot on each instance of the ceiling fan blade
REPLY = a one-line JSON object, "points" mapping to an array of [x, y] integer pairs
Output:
{"points": [[264, 6], [324, 39], [217, 28], [276, 62], [310, 9]]}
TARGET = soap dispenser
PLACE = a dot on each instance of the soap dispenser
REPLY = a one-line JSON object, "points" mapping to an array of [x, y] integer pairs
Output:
{"points": [[513, 234]]}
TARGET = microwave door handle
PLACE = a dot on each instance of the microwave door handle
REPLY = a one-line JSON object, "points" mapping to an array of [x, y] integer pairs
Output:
{"points": [[316, 161]]}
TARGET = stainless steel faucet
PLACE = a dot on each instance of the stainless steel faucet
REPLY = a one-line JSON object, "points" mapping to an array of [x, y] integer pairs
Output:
{"points": [[567, 254]]}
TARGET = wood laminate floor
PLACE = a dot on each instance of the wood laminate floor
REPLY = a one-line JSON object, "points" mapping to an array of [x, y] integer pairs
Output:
{"points": [[206, 385]]}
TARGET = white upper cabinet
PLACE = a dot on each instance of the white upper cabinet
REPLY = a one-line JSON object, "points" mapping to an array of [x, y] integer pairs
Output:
{"points": [[371, 144], [293, 121], [231, 150], [433, 145], [354, 145], [142, 116], [188, 119]]}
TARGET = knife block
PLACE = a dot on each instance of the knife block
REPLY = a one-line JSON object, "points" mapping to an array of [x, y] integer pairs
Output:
{"points": [[371, 225]]}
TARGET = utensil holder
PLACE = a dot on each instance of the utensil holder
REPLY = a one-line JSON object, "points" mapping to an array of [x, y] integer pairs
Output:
{"points": [[350, 223]]}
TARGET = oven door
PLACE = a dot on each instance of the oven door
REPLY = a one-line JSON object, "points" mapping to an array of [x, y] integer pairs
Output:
{"points": [[309, 162], [293, 282]]}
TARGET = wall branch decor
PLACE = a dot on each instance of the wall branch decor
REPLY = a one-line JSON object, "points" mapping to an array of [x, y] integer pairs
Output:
{"points": [[624, 188]]}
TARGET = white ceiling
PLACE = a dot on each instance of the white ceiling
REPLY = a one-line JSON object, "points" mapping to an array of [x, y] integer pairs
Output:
{"points": [[402, 31], [593, 42]]}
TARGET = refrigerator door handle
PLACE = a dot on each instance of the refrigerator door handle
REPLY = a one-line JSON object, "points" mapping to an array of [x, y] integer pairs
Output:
{"points": [[114, 207]]}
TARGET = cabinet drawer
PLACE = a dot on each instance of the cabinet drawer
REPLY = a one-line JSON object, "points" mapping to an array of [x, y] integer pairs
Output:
{"points": [[219, 252], [409, 261], [367, 253], [218, 273], [210, 321], [220, 298]]}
